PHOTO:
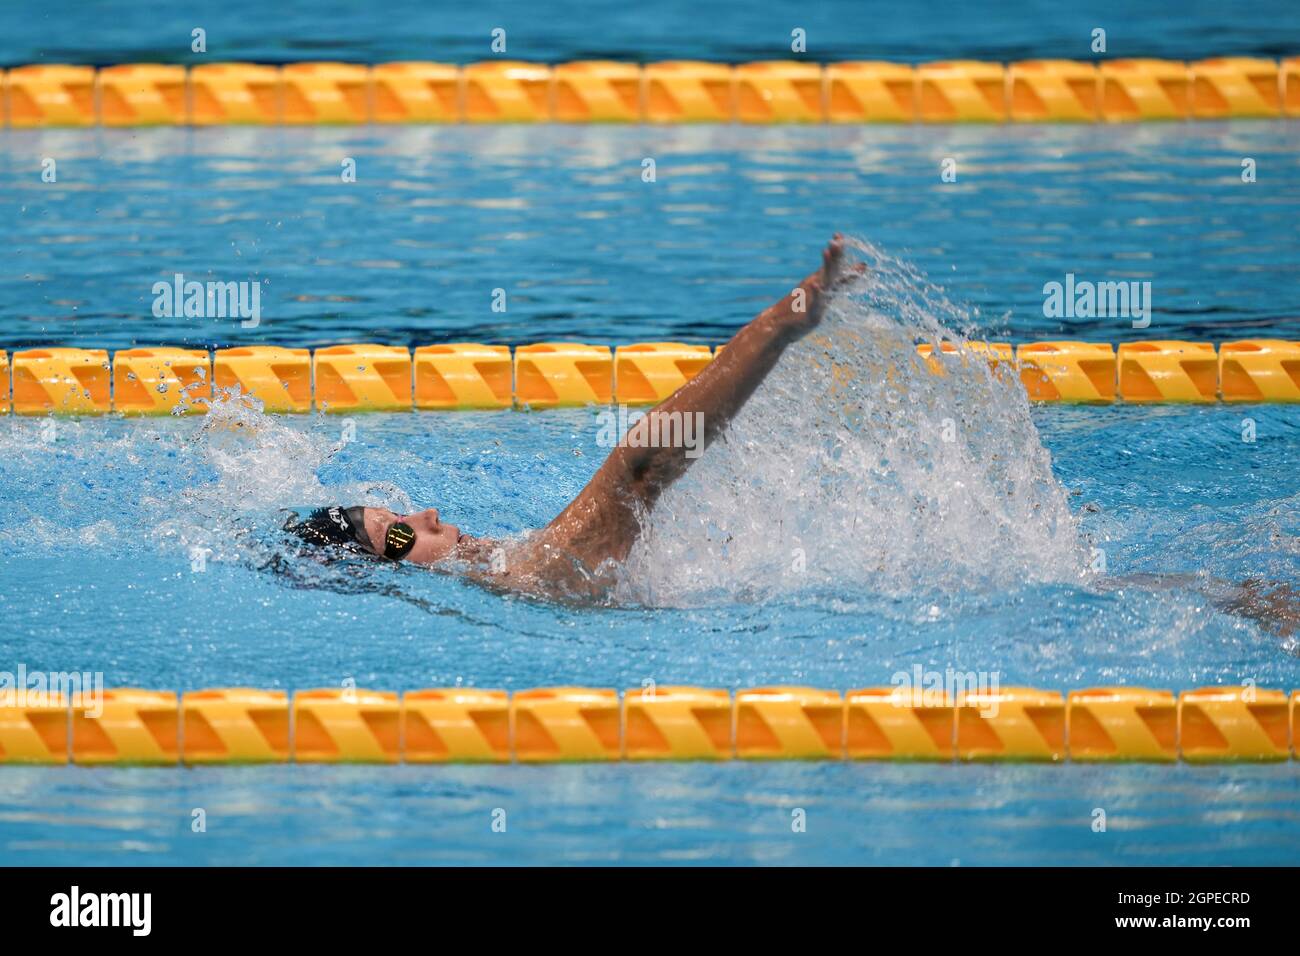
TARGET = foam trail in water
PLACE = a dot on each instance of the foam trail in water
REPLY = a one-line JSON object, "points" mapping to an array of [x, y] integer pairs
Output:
{"points": [[855, 468], [169, 485]]}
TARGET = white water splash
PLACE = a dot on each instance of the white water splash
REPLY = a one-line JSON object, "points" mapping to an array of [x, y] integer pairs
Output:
{"points": [[167, 485], [256, 465], [855, 468], [837, 478]]}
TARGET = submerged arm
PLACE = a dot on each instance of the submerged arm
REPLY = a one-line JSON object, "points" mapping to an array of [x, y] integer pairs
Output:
{"points": [[1275, 605]]}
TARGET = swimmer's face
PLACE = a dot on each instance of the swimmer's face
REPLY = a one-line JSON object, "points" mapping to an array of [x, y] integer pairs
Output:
{"points": [[434, 540]]}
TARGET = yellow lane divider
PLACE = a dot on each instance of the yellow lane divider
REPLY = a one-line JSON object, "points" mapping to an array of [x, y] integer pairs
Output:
{"points": [[680, 91], [367, 377], [553, 724]]}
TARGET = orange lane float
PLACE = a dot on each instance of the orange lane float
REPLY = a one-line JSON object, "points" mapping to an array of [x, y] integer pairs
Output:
{"points": [[1068, 371], [53, 95], [1122, 723], [234, 93], [63, 381], [870, 92], [463, 375], [506, 91], [128, 726], [649, 372], [416, 93], [677, 723], [1259, 370], [324, 93], [1231, 86], [1168, 372], [1145, 89], [346, 726], [34, 729], [553, 374], [967, 722], [961, 91], [684, 91], [1233, 723], [161, 381], [894, 723], [143, 94], [374, 378], [279, 378], [235, 725], [597, 91], [455, 724], [785, 722], [552, 724], [1011, 723], [779, 92], [1053, 91]]}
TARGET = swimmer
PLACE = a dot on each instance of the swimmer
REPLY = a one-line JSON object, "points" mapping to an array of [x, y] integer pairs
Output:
{"points": [[576, 553]]}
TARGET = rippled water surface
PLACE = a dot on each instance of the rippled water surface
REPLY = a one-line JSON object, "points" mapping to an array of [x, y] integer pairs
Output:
{"points": [[561, 219], [111, 31], [99, 516]]}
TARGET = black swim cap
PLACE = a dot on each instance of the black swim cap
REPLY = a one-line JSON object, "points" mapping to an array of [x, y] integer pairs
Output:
{"points": [[346, 527], [334, 525]]}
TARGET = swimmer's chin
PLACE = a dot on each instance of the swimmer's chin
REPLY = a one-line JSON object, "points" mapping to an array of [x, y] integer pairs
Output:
{"points": [[473, 557], [474, 551], [467, 552]]}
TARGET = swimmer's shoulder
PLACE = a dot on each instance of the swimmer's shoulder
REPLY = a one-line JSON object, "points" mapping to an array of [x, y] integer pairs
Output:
{"points": [[542, 564]]}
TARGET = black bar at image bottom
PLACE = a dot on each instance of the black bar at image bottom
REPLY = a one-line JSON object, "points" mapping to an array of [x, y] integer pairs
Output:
{"points": [[332, 905]]}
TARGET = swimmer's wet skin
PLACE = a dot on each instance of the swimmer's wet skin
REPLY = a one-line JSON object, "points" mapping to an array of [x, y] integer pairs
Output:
{"points": [[574, 554]]}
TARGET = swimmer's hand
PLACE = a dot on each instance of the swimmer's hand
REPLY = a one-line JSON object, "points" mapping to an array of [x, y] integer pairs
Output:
{"points": [[801, 311]]}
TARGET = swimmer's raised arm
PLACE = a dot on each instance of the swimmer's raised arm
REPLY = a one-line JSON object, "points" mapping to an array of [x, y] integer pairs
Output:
{"points": [[721, 389], [604, 519]]}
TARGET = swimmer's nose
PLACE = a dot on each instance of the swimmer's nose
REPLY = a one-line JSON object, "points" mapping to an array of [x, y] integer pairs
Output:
{"points": [[432, 514]]}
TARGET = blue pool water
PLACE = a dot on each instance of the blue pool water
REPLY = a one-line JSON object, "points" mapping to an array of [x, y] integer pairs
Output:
{"points": [[972, 560], [560, 218], [116, 31], [95, 580]]}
